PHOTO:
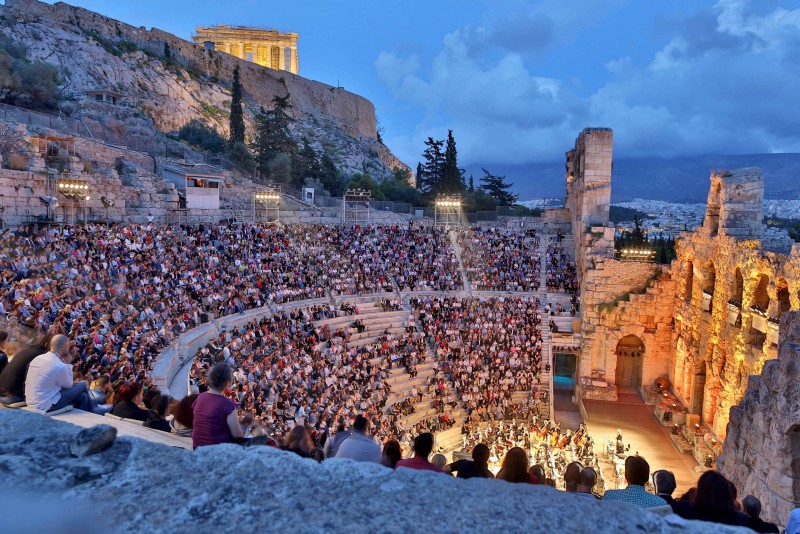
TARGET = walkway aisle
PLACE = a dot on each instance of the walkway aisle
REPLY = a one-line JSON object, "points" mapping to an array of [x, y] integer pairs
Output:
{"points": [[465, 281], [547, 337]]}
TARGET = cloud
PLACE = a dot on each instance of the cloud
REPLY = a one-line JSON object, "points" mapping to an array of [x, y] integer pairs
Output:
{"points": [[722, 81]]}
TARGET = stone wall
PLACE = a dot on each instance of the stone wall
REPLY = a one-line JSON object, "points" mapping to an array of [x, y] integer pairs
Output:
{"points": [[620, 299], [355, 114], [138, 486], [762, 452]]}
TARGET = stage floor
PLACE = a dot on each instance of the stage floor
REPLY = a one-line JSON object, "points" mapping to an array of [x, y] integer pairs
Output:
{"points": [[646, 436]]}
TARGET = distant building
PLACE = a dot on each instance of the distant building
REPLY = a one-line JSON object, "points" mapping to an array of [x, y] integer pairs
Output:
{"points": [[198, 185], [268, 48], [104, 95]]}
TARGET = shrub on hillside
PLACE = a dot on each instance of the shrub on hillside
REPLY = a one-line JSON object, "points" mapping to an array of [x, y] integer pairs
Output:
{"points": [[200, 135], [25, 83]]}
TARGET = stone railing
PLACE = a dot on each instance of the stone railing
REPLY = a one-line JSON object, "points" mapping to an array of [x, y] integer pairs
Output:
{"points": [[170, 372]]}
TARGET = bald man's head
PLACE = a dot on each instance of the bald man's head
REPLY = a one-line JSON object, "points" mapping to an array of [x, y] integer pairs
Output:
{"points": [[59, 344]]}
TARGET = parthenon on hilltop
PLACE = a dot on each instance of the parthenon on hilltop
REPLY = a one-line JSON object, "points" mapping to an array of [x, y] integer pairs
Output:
{"points": [[265, 47]]}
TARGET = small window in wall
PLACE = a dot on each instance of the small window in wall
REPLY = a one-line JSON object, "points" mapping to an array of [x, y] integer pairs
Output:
{"points": [[99, 98]]}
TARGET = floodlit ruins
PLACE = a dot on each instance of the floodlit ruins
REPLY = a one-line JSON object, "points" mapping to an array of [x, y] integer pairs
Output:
{"points": [[693, 337]]}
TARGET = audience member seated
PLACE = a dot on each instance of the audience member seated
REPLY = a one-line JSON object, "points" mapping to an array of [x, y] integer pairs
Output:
{"points": [[515, 467], [158, 415], [572, 477], [299, 442], [423, 445], [714, 502], [664, 483], [215, 418], [637, 472], [129, 398], [359, 446], [3, 349], [49, 383], [588, 482], [392, 453], [182, 415], [478, 467], [12, 379], [751, 507]]}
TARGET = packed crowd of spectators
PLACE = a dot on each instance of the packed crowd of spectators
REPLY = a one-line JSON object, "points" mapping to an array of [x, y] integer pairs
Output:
{"points": [[561, 274], [501, 259], [488, 349]]}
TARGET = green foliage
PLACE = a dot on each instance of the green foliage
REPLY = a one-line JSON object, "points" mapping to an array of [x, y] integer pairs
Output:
{"points": [[365, 181], [418, 177], [196, 133], [237, 115], [638, 239], [330, 177], [397, 189], [127, 47], [497, 187], [273, 137], [213, 113], [792, 226], [241, 156], [618, 214], [452, 176], [305, 164], [107, 44], [432, 177], [478, 200], [25, 83]]}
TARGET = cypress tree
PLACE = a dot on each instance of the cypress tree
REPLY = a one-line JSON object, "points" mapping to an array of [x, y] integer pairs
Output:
{"points": [[419, 178], [452, 176], [237, 116]]}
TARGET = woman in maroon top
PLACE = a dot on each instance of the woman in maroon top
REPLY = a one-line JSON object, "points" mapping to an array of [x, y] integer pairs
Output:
{"points": [[215, 417]]}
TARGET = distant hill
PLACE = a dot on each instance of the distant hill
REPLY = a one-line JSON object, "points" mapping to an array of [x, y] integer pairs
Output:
{"points": [[680, 179]]}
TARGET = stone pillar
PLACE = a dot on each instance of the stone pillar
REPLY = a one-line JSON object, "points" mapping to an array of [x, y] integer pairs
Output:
{"points": [[282, 56], [295, 67]]}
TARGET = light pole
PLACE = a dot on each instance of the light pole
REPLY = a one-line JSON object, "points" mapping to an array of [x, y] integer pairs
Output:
{"points": [[75, 190], [355, 206], [447, 210], [270, 198]]}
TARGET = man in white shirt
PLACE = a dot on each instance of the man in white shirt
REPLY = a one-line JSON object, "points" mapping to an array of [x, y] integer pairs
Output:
{"points": [[48, 384]]}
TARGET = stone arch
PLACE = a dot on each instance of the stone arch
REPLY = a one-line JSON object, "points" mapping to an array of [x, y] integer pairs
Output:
{"points": [[688, 282], [784, 302], [760, 294], [630, 352], [709, 282], [738, 286]]}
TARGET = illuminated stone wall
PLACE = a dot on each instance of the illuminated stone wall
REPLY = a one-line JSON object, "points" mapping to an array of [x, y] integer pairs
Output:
{"points": [[268, 48], [762, 452]]}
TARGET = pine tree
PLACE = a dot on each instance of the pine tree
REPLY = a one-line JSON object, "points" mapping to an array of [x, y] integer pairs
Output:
{"points": [[452, 176], [471, 184], [237, 116], [273, 138], [306, 165], [433, 168], [497, 187], [330, 176]]}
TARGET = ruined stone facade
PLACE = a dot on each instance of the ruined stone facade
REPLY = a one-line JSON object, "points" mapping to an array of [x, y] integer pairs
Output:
{"points": [[714, 323], [729, 297], [762, 451], [268, 48]]}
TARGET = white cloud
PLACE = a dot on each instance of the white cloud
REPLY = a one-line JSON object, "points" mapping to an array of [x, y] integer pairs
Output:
{"points": [[724, 82]]}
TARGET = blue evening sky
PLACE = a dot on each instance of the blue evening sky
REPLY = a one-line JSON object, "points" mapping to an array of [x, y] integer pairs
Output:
{"points": [[517, 80]]}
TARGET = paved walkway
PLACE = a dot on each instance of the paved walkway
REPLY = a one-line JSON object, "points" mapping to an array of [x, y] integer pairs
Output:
{"points": [[646, 436]]}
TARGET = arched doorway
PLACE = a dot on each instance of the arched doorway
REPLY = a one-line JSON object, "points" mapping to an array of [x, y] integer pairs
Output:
{"points": [[630, 362]]}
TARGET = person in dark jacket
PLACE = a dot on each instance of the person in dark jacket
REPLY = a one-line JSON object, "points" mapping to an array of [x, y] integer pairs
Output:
{"points": [[12, 379], [664, 482], [752, 509], [158, 414], [478, 467], [129, 397], [714, 502]]}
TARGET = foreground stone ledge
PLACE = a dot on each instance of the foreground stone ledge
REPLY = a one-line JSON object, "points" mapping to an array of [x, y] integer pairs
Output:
{"points": [[138, 486]]}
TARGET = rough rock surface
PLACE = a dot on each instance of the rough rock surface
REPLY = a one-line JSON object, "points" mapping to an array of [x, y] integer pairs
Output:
{"points": [[92, 440], [138, 486], [760, 452]]}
